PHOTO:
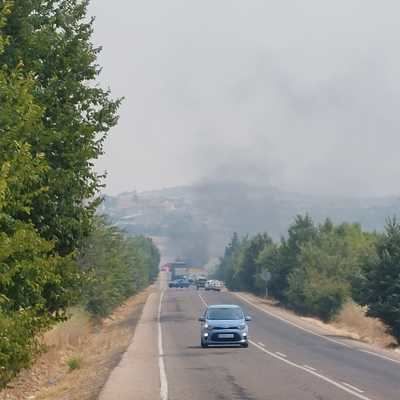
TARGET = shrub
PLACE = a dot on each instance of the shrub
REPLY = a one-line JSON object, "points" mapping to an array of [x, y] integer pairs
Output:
{"points": [[74, 363]]}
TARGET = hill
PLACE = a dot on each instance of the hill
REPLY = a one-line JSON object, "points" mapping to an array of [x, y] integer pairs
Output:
{"points": [[195, 222]]}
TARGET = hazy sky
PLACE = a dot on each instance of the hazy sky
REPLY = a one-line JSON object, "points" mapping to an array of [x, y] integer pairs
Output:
{"points": [[304, 94]]}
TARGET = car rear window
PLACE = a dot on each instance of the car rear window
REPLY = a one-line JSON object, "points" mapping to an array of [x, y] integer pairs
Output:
{"points": [[224, 313]]}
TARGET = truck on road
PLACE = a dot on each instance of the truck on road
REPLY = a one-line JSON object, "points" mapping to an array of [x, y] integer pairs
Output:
{"points": [[201, 282]]}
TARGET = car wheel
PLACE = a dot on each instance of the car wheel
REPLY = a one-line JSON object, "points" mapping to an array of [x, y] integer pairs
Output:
{"points": [[245, 345]]}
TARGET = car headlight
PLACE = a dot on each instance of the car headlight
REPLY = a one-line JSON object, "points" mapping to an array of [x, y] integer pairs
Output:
{"points": [[242, 326]]}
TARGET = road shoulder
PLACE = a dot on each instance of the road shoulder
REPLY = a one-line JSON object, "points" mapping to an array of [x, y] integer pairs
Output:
{"points": [[137, 375]]}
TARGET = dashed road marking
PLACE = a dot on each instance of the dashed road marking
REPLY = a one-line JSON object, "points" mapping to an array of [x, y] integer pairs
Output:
{"points": [[261, 344], [202, 299], [316, 374]]}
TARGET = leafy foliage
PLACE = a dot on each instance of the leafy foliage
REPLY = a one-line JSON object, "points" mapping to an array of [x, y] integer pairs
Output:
{"points": [[116, 267], [35, 283], [50, 40], [313, 270], [381, 283], [53, 122]]}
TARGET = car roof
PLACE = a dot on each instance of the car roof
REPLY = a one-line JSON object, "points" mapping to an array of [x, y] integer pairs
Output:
{"points": [[224, 306]]}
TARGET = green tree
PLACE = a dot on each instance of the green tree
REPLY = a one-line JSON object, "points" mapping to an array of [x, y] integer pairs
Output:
{"points": [[51, 39], [284, 259], [381, 284], [246, 267], [270, 259], [115, 267], [35, 284], [225, 270], [327, 266]]}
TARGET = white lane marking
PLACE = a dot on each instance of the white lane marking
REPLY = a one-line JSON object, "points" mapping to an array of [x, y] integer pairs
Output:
{"points": [[291, 323], [281, 354], [353, 387], [318, 375], [261, 344], [202, 299], [307, 366], [161, 364], [380, 355]]}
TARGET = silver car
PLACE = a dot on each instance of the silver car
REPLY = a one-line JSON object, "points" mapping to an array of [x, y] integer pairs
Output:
{"points": [[224, 324]]}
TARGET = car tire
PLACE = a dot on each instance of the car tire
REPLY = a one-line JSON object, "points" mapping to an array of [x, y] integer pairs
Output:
{"points": [[245, 345], [204, 345]]}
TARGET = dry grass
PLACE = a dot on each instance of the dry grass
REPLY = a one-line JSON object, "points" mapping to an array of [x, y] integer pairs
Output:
{"points": [[70, 333], [98, 345], [352, 318]]}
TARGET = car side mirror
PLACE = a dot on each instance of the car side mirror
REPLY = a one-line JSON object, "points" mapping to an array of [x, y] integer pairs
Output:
{"points": [[247, 318], [202, 319]]}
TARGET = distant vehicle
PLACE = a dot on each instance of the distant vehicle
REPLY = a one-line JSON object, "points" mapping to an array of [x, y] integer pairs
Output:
{"points": [[224, 324], [165, 268], [190, 280], [179, 269], [213, 285], [200, 282], [179, 283]]}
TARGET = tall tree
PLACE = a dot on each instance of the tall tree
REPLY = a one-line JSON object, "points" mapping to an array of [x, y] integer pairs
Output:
{"points": [[284, 261], [381, 287], [247, 266], [51, 39]]}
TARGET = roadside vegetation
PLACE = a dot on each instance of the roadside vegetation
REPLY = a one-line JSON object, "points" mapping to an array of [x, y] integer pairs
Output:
{"points": [[319, 268], [54, 251]]}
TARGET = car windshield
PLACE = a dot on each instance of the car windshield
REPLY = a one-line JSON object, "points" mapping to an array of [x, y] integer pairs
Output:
{"points": [[224, 313]]}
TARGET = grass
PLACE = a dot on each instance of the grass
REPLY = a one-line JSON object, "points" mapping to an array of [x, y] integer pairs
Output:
{"points": [[353, 318], [71, 333], [74, 363]]}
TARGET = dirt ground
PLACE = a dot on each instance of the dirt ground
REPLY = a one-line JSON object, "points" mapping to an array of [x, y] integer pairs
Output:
{"points": [[94, 347]]}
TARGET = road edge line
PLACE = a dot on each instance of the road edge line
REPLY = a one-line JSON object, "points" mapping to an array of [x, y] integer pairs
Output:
{"points": [[292, 323], [161, 364], [380, 356]]}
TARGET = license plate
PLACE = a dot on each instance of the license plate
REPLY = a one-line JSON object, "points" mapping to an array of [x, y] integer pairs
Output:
{"points": [[226, 336]]}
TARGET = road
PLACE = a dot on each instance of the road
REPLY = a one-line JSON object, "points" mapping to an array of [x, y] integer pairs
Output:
{"points": [[282, 361]]}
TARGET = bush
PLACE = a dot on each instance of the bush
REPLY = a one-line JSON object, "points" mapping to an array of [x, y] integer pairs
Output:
{"points": [[18, 344], [74, 363]]}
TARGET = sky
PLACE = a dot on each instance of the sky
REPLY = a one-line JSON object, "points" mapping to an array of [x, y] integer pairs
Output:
{"points": [[301, 95]]}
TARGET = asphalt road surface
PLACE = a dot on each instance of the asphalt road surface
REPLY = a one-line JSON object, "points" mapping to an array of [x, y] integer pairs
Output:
{"points": [[282, 362]]}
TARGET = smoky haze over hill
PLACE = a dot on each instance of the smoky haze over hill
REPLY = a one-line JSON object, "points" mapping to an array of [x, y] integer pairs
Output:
{"points": [[284, 107], [302, 95], [195, 222]]}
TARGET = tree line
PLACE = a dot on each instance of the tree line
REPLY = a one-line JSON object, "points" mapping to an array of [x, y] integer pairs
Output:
{"points": [[316, 268], [54, 118]]}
